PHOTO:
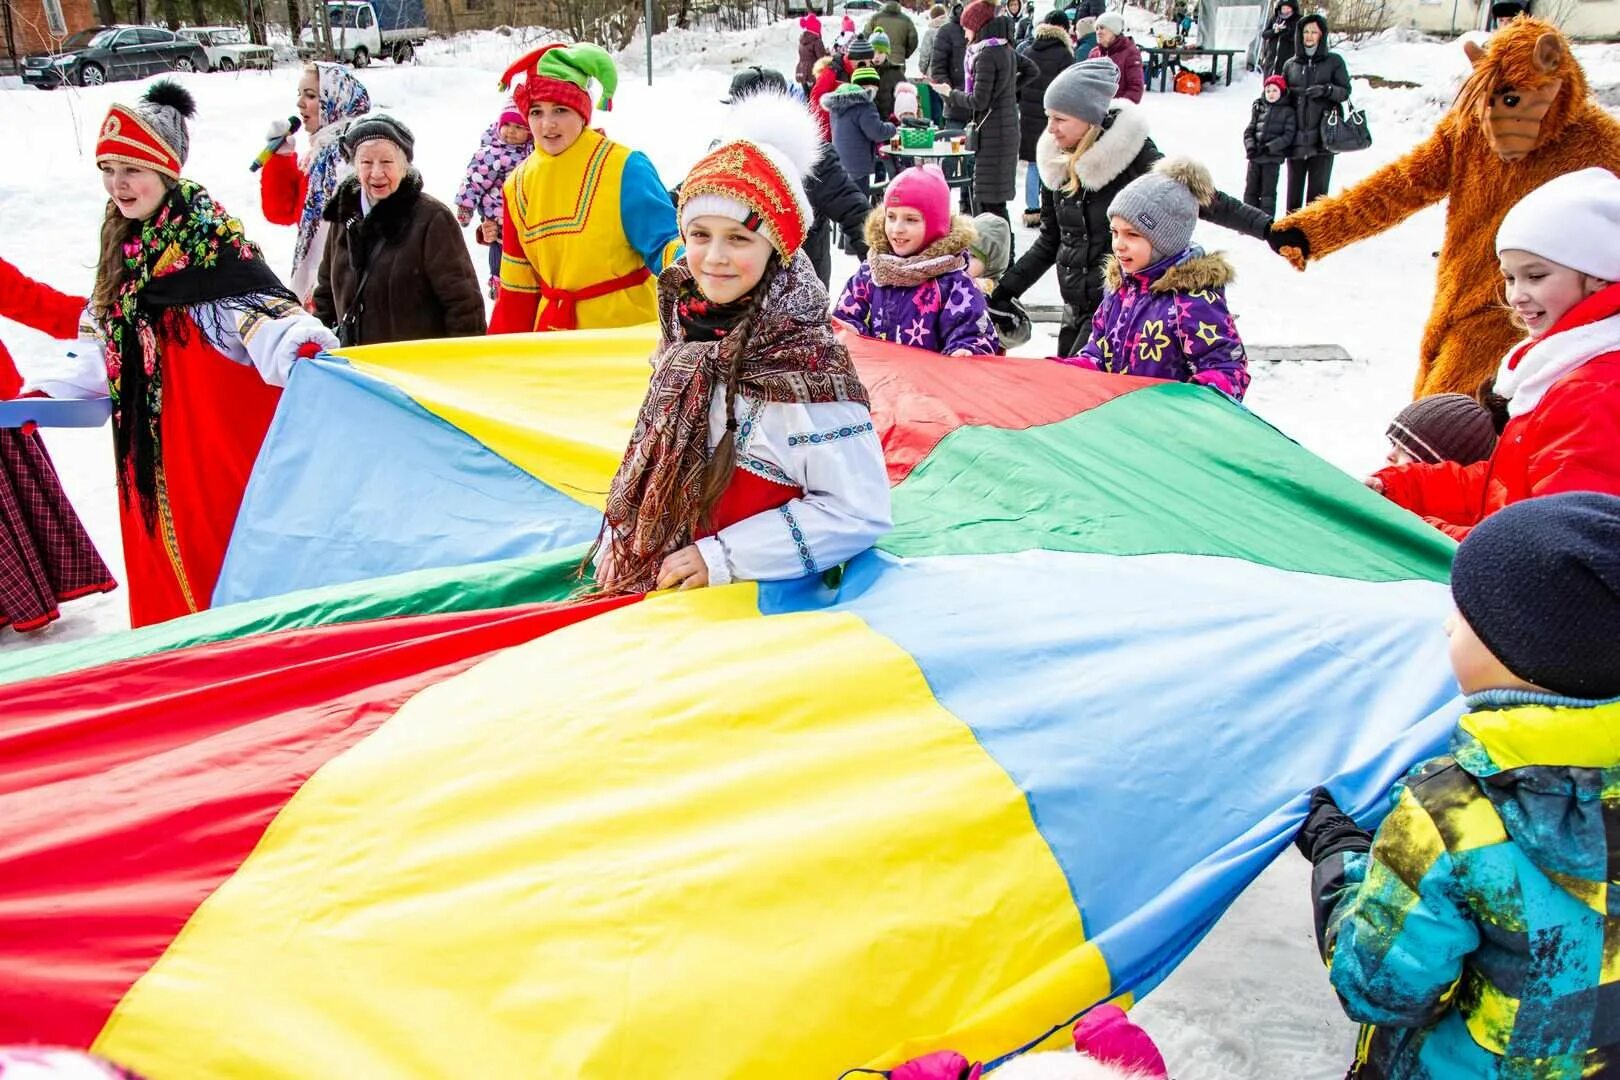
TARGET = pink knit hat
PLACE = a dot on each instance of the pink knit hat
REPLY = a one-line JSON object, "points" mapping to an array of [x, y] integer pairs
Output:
{"points": [[848, 25], [923, 188], [809, 22], [1105, 1034], [511, 115]]}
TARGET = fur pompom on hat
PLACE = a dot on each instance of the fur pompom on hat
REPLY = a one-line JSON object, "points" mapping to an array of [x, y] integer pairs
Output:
{"points": [[769, 144], [1163, 204], [151, 133]]}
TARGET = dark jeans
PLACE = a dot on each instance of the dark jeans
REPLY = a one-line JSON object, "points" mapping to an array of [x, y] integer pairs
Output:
{"points": [[1308, 179], [1261, 188], [495, 259]]}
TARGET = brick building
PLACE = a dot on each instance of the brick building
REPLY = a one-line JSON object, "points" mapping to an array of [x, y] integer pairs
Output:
{"points": [[31, 26]]}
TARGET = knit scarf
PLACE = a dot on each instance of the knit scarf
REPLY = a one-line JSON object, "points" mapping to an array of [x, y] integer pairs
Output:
{"points": [[973, 54], [342, 98], [656, 499], [189, 252]]}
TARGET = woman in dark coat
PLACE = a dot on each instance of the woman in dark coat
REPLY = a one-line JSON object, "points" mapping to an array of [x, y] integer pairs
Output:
{"points": [[1052, 50], [1318, 81], [1092, 148], [1277, 40], [943, 66], [991, 94], [395, 267]]}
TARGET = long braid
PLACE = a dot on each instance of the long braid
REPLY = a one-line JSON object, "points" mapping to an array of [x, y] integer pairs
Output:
{"points": [[724, 459]]}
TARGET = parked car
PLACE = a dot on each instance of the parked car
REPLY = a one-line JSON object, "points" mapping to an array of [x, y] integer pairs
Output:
{"points": [[228, 48], [109, 53], [363, 30]]}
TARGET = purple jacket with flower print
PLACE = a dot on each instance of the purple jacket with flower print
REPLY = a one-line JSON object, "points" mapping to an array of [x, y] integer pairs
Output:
{"points": [[491, 164], [1169, 322], [926, 300]]}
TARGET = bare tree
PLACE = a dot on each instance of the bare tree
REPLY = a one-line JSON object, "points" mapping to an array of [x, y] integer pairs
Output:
{"points": [[1358, 19]]}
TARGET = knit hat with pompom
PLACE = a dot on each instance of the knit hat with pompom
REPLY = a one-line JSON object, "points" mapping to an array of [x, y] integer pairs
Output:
{"points": [[151, 133]]}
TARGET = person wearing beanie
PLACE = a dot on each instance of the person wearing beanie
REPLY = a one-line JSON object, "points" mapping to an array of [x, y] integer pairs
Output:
{"points": [[891, 70], [1164, 314], [914, 287], [905, 101], [1051, 50], [857, 128], [811, 49], [861, 53], [219, 333], [1470, 933], [1267, 142], [293, 190], [599, 271], [395, 267], [1116, 45], [718, 483], [1094, 145], [1445, 427], [938, 16], [1559, 250], [989, 252], [989, 94], [892, 30], [505, 145]]}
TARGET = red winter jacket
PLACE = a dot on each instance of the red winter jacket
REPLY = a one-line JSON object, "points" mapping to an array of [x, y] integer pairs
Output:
{"points": [[825, 83], [39, 306], [283, 188], [1570, 441], [1128, 58]]}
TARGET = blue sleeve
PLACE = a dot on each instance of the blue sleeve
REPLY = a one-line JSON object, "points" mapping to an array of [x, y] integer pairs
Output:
{"points": [[1395, 930], [965, 325], [874, 127], [646, 214]]}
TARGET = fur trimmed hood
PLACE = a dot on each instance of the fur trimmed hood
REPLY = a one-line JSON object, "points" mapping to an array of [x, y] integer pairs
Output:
{"points": [[1048, 32], [949, 252], [955, 242], [1200, 272], [1124, 135], [848, 96]]}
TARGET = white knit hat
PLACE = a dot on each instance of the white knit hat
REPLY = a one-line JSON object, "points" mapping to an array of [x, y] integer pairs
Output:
{"points": [[728, 183], [1572, 220]]}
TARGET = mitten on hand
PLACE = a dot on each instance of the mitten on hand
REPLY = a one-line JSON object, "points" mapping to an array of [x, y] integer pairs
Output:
{"points": [[1328, 830], [1291, 244], [941, 1065]]}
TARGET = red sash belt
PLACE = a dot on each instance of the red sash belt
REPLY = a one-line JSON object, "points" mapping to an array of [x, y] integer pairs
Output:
{"points": [[561, 307]]}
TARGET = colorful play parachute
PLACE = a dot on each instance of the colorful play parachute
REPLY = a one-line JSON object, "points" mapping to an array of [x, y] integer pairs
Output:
{"points": [[421, 818]]}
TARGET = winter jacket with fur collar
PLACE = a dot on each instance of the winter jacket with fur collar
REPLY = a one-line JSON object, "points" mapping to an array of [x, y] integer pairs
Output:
{"points": [[926, 300], [1074, 224], [421, 282], [1170, 321], [1052, 50]]}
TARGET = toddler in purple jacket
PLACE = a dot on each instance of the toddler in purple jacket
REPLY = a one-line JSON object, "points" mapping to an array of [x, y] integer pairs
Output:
{"points": [[503, 148], [1164, 311], [914, 286]]}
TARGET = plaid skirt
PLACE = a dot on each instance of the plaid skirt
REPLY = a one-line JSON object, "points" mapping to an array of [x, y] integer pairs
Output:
{"points": [[46, 557]]}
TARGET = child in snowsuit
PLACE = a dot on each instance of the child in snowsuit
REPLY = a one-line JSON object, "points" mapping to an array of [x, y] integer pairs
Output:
{"points": [[989, 252], [1445, 427], [1164, 311], [1560, 255], [503, 148], [1267, 141], [914, 286], [723, 479], [1473, 934], [857, 129], [811, 50]]}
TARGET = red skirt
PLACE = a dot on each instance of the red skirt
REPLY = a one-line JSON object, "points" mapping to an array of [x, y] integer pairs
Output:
{"points": [[46, 557]]}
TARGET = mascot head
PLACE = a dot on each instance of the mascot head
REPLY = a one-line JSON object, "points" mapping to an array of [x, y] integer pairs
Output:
{"points": [[1524, 86]]}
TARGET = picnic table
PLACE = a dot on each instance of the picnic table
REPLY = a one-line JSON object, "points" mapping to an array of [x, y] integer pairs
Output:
{"points": [[1163, 61]]}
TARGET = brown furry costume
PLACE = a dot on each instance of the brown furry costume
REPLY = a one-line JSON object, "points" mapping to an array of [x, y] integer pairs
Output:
{"points": [[1523, 117]]}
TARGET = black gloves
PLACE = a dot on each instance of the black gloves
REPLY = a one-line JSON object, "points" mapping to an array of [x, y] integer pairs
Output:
{"points": [[1328, 830], [1317, 91], [1294, 238]]}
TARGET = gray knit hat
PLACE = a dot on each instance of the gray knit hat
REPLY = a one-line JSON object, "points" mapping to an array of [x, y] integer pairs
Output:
{"points": [[992, 244], [860, 49], [378, 126], [1163, 205], [1083, 90]]}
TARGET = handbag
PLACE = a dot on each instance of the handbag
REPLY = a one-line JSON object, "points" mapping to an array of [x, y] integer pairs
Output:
{"points": [[1344, 130]]}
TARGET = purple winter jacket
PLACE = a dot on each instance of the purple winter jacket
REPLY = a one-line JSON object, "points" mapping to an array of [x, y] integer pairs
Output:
{"points": [[1169, 321], [491, 164], [926, 300]]}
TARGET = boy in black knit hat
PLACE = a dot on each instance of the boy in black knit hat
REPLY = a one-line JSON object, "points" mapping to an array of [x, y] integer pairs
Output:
{"points": [[1478, 934]]}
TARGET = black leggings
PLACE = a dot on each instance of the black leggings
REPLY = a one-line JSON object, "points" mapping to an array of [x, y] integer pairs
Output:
{"points": [[1308, 179]]}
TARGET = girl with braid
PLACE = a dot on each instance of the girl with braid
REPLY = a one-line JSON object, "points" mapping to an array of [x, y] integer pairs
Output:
{"points": [[753, 456]]}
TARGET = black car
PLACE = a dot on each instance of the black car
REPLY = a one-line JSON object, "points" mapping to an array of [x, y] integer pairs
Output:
{"points": [[108, 53]]}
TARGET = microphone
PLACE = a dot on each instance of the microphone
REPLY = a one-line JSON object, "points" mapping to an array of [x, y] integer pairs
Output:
{"points": [[293, 124]]}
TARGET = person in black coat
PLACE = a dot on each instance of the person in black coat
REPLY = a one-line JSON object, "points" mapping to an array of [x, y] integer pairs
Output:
{"points": [[1267, 142], [1092, 148], [1051, 50], [1318, 81], [1277, 40], [946, 65], [993, 104]]}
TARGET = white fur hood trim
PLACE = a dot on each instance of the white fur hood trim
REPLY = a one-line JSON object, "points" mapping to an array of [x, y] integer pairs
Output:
{"points": [[1108, 157]]}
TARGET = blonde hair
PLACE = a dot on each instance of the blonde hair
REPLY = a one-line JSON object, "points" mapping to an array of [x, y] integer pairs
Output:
{"points": [[1087, 141]]}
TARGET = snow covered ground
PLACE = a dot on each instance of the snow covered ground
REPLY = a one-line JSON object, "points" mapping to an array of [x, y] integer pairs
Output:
{"points": [[1252, 1000]]}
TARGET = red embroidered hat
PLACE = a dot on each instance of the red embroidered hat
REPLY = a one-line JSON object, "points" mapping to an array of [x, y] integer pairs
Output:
{"points": [[769, 144], [151, 133], [562, 74]]}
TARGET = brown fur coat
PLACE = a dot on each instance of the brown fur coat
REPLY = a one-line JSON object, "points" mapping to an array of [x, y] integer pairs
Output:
{"points": [[1477, 159]]}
